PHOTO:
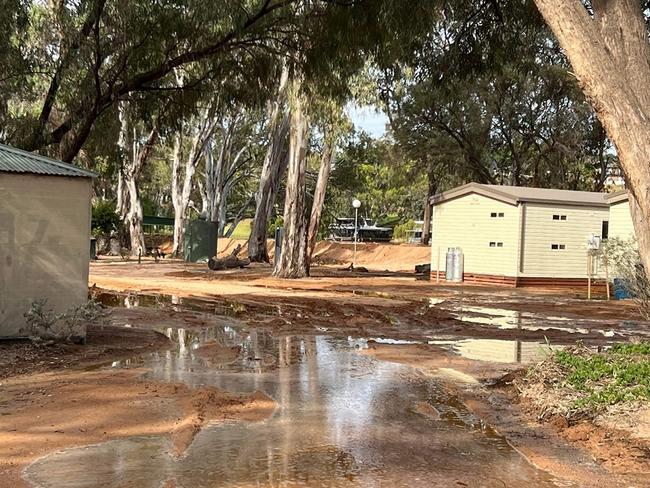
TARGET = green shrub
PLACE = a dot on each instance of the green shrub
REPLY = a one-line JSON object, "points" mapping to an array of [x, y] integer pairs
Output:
{"points": [[622, 258], [271, 226], [104, 218], [401, 231]]}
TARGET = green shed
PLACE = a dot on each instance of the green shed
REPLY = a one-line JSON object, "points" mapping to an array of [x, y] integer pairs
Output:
{"points": [[200, 242]]}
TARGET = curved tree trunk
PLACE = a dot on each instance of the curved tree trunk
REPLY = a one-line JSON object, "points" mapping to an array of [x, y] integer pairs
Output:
{"points": [[180, 194], [275, 165], [319, 197], [293, 260], [610, 55]]}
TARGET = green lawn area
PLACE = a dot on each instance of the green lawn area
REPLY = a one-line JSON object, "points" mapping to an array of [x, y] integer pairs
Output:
{"points": [[243, 229]]}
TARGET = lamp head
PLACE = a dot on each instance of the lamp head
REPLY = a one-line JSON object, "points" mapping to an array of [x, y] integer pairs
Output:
{"points": [[356, 203]]}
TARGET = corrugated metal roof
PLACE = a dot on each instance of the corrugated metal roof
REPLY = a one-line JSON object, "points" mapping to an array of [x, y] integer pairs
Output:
{"points": [[516, 194], [14, 160]]}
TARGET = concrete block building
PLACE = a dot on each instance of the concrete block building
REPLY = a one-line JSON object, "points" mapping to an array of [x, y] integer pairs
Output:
{"points": [[518, 236], [45, 213]]}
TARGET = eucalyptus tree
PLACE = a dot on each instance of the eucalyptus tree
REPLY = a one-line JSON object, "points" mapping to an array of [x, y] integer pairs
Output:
{"points": [[273, 169], [607, 44], [190, 141], [292, 262], [338, 43], [136, 141], [82, 57], [231, 157]]}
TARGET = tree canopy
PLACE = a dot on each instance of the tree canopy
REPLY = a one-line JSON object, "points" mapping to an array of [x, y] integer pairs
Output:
{"points": [[185, 107]]}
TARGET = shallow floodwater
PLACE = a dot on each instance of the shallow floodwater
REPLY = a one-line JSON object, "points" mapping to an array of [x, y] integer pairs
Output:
{"points": [[343, 420]]}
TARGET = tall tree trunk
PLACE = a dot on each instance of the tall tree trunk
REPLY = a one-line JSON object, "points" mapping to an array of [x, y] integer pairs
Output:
{"points": [[431, 191], [125, 152], [178, 194], [610, 55], [183, 170], [134, 217], [293, 259], [275, 165], [133, 159], [319, 197]]}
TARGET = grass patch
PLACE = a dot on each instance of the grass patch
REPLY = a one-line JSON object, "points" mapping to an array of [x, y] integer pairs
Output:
{"points": [[581, 382], [243, 229], [621, 374]]}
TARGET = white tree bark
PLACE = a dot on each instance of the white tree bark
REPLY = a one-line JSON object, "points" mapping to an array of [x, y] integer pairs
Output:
{"points": [[319, 196], [183, 170], [275, 165], [293, 259], [134, 157], [610, 54], [224, 168]]}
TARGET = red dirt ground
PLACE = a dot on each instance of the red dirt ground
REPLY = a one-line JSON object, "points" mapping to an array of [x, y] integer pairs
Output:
{"points": [[375, 304]]}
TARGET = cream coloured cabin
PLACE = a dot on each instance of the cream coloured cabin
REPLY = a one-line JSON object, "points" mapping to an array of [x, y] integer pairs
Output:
{"points": [[516, 235], [620, 217], [44, 236]]}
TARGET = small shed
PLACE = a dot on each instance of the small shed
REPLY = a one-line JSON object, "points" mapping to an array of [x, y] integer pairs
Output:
{"points": [[518, 236], [45, 214]]}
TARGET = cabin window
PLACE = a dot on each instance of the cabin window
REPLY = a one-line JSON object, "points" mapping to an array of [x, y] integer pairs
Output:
{"points": [[495, 215], [604, 232], [558, 246], [496, 244], [559, 217]]}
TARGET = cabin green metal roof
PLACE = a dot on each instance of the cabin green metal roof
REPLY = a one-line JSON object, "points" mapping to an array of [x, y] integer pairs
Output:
{"points": [[14, 160]]}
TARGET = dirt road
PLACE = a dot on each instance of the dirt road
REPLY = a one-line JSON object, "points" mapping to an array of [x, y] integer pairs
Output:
{"points": [[145, 383]]}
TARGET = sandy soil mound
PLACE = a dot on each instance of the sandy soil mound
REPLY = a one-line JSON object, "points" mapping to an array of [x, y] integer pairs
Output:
{"points": [[377, 256]]}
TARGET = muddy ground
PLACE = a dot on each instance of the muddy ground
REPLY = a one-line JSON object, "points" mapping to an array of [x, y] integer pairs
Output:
{"points": [[60, 395], [468, 337], [588, 453]]}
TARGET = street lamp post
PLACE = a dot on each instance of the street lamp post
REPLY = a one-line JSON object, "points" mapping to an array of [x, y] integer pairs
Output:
{"points": [[356, 204]]}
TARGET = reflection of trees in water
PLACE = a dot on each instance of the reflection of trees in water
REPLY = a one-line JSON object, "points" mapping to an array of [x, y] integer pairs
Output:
{"points": [[131, 301]]}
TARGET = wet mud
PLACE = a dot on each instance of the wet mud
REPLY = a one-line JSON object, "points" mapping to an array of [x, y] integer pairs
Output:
{"points": [[345, 416], [342, 419]]}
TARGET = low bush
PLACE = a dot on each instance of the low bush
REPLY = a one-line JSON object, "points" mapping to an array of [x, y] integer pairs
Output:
{"points": [[579, 382], [622, 258], [43, 325]]}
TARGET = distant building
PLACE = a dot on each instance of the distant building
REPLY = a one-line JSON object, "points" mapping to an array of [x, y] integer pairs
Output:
{"points": [[519, 236], [44, 235]]}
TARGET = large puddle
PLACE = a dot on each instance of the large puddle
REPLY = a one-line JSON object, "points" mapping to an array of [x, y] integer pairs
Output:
{"points": [[343, 419]]}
